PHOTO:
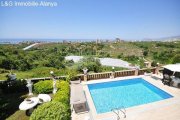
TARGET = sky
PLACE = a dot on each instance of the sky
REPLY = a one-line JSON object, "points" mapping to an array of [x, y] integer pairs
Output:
{"points": [[92, 19]]}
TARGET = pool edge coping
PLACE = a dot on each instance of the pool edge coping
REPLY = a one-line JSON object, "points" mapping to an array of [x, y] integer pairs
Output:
{"points": [[100, 115]]}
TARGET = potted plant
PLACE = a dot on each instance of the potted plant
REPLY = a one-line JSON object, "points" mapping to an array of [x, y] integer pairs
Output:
{"points": [[11, 76], [148, 72]]}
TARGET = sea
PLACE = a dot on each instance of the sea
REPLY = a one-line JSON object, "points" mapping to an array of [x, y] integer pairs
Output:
{"points": [[17, 41]]}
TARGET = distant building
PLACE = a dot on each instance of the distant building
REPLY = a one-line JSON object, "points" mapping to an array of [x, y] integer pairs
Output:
{"points": [[107, 41], [98, 41], [64, 41], [119, 40]]}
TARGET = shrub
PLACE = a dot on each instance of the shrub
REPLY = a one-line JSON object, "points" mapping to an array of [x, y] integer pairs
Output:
{"points": [[131, 58], [47, 86], [154, 64], [120, 56], [14, 86], [59, 108], [3, 108], [90, 63], [145, 53], [3, 71], [51, 111], [71, 74], [175, 59], [64, 86], [148, 70], [43, 86], [62, 95]]}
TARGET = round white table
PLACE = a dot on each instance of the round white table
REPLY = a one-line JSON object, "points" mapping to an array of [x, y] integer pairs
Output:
{"points": [[25, 106]]}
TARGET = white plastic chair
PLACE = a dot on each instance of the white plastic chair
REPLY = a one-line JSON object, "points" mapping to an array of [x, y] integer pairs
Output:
{"points": [[44, 98]]}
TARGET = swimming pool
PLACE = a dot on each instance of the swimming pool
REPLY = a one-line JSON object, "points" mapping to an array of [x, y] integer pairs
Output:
{"points": [[126, 93]]}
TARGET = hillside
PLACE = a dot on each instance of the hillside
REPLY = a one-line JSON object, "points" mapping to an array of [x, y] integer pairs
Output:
{"points": [[47, 56]]}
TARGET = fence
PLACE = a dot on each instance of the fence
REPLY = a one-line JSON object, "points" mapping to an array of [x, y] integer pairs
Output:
{"points": [[104, 75], [95, 76], [142, 71], [125, 73]]}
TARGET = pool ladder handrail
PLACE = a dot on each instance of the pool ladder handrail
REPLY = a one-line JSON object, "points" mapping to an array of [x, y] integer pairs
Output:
{"points": [[119, 109]]}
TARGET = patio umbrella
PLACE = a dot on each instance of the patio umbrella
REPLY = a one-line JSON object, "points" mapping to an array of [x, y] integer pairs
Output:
{"points": [[173, 67]]}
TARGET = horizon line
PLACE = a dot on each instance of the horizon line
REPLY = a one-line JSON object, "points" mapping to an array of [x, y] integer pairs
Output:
{"points": [[167, 37]]}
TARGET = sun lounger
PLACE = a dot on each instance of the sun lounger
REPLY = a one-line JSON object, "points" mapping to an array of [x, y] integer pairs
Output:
{"points": [[78, 99]]}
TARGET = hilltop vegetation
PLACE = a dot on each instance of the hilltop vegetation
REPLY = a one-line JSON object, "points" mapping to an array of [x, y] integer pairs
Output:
{"points": [[162, 52], [39, 60]]}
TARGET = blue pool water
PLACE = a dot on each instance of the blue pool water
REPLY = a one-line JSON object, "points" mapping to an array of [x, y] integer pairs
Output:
{"points": [[127, 93]]}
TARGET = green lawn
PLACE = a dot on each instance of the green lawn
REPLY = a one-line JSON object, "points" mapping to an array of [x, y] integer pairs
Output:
{"points": [[9, 106], [34, 73], [18, 115], [3, 76]]}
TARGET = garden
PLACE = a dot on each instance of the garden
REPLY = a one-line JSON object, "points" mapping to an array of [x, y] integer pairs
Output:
{"points": [[14, 93]]}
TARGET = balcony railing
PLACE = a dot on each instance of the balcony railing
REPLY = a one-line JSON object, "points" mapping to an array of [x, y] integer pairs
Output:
{"points": [[142, 71], [95, 76], [124, 73], [103, 75]]}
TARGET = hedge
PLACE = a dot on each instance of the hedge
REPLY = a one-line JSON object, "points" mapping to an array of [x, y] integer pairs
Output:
{"points": [[14, 86], [47, 86], [63, 94], [59, 107], [51, 111], [43, 86], [3, 108], [63, 86]]}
